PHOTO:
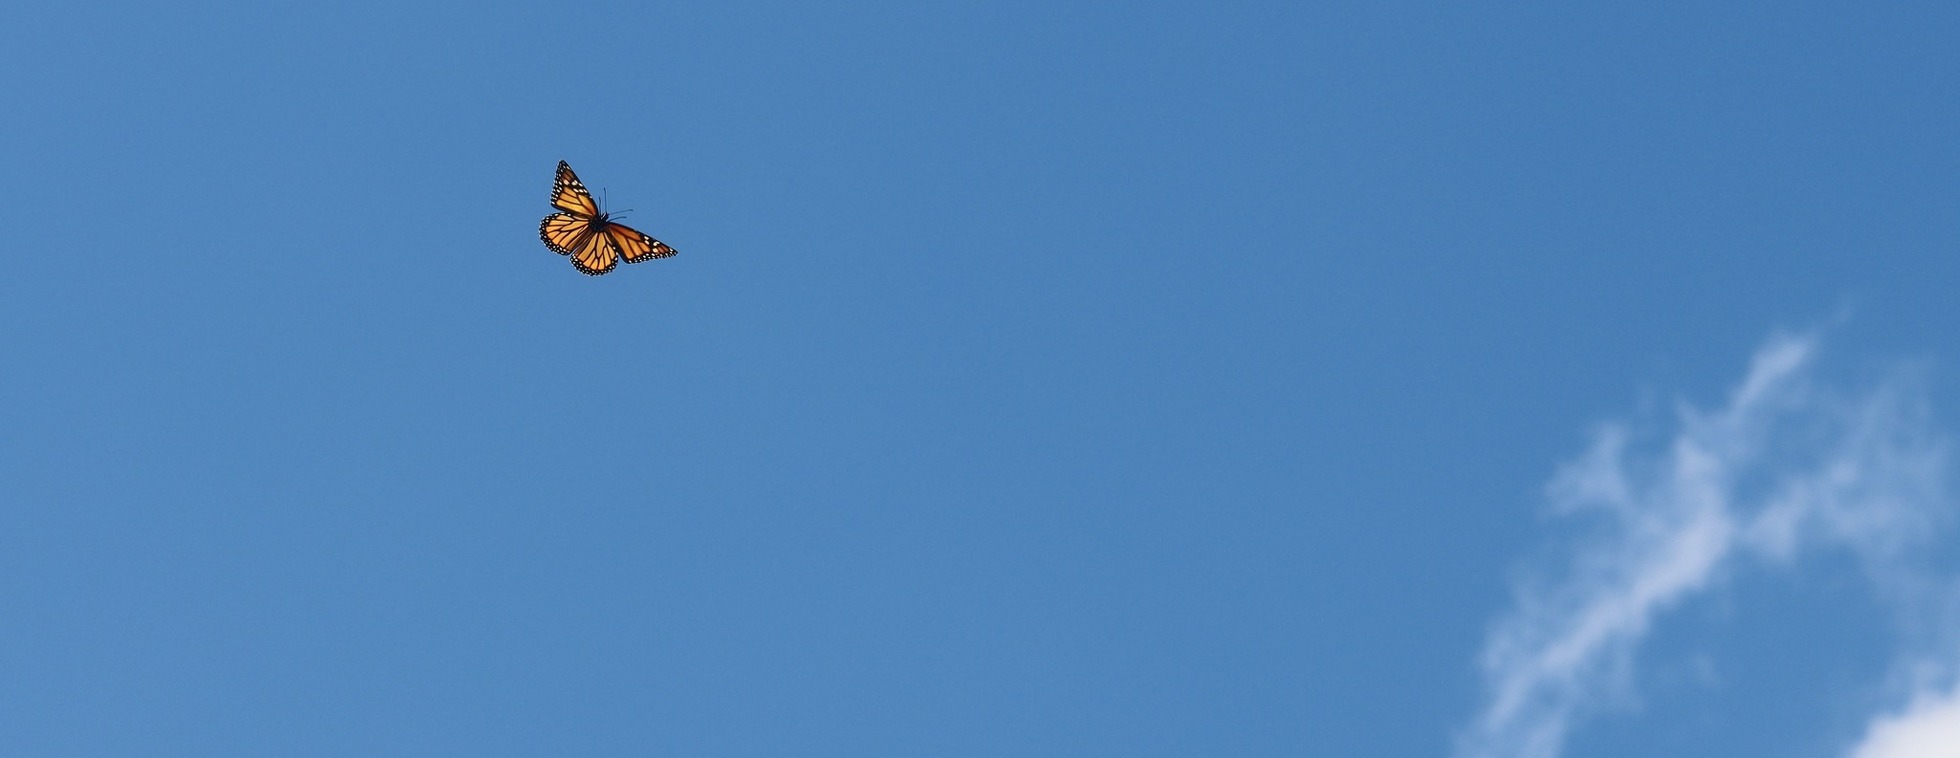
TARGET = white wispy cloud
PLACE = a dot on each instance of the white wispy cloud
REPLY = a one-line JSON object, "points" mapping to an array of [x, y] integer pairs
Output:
{"points": [[1787, 467], [1929, 728]]}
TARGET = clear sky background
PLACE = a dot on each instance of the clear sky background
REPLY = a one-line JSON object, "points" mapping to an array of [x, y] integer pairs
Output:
{"points": [[1180, 379]]}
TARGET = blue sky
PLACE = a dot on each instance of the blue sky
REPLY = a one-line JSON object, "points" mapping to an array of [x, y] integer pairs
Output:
{"points": [[1034, 379]]}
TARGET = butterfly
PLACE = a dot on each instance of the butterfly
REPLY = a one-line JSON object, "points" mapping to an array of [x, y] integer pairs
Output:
{"points": [[593, 241]]}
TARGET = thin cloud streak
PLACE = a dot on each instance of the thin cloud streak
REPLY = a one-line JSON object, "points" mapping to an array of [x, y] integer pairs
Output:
{"points": [[1783, 468]]}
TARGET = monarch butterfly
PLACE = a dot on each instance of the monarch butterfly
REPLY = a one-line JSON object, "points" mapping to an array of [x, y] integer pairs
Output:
{"points": [[593, 241]]}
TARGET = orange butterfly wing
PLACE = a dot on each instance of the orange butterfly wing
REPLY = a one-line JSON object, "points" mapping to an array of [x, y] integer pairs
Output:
{"points": [[635, 246], [595, 255], [563, 232], [569, 194]]}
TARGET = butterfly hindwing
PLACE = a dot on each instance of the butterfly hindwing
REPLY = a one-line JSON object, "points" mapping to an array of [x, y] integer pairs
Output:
{"points": [[563, 232], [595, 254]]}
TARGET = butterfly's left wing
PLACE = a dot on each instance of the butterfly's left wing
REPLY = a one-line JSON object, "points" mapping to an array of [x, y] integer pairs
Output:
{"points": [[635, 246], [563, 232], [569, 194]]}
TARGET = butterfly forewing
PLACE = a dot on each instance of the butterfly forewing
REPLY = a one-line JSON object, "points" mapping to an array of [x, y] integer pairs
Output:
{"points": [[635, 246], [569, 194]]}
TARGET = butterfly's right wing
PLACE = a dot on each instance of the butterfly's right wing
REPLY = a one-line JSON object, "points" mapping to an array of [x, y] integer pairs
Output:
{"points": [[595, 254], [569, 194], [634, 245]]}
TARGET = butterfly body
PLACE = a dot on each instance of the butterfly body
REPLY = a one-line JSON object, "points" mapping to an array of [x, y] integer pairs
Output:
{"points": [[588, 236]]}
